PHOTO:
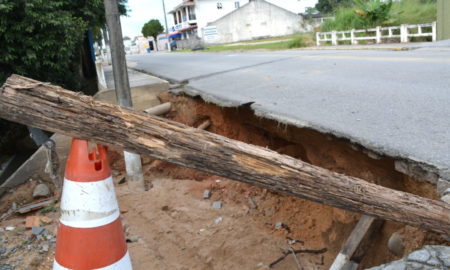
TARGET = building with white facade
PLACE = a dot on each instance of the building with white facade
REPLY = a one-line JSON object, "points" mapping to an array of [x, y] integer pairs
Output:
{"points": [[190, 17]]}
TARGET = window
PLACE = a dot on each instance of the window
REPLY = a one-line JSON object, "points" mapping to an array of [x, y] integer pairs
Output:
{"points": [[236, 4], [219, 5]]}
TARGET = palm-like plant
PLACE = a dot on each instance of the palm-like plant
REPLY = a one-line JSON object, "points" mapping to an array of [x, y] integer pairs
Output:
{"points": [[374, 12]]}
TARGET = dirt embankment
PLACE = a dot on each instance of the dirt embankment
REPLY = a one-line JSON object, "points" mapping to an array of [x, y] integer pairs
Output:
{"points": [[317, 225]]}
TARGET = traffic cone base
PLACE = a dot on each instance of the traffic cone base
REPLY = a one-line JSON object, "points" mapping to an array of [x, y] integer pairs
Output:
{"points": [[90, 234], [123, 263]]}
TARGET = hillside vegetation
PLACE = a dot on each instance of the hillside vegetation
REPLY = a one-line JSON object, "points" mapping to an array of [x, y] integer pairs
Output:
{"points": [[399, 12]]}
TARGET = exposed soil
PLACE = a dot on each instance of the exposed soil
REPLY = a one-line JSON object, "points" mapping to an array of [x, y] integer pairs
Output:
{"points": [[176, 228]]}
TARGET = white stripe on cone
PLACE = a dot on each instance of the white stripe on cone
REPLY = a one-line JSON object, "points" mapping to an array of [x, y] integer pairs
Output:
{"points": [[122, 264], [88, 204]]}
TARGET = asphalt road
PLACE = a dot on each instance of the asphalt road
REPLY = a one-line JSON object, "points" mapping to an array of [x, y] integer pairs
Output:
{"points": [[393, 102]]}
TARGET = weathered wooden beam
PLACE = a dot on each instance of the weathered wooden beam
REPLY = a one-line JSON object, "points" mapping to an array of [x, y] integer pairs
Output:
{"points": [[354, 248], [52, 108]]}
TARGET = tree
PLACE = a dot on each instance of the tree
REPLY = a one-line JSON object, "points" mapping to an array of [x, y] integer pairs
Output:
{"points": [[43, 39], [47, 40], [152, 28], [328, 6]]}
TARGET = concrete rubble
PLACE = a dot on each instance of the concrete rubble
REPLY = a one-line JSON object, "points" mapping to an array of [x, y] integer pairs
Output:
{"points": [[41, 191], [427, 258]]}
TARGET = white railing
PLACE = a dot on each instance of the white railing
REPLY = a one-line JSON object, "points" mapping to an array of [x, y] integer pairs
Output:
{"points": [[379, 34]]}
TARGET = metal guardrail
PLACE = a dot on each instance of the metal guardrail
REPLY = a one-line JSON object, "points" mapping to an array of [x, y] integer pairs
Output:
{"points": [[378, 34]]}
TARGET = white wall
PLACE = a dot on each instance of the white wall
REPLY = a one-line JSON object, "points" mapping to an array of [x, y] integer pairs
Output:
{"points": [[206, 11], [257, 19]]}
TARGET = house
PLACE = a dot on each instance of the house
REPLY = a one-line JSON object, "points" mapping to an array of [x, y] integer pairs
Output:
{"points": [[195, 19], [255, 20]]}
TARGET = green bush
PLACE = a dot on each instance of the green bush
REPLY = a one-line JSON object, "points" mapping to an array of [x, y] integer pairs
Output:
{"points": [[344, 19], [402, 12], [297, 42], [43, 39]]}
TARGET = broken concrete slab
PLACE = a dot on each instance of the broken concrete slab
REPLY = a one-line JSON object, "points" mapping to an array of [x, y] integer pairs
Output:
{"points": [[34, 167], [144, 89], [427, 258], [356, 95]]}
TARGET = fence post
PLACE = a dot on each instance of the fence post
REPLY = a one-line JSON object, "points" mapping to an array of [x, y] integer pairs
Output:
{"points": [[334, 38], [378, 34], [404, 33], [433, 30], [352, 37], [317, 39]]}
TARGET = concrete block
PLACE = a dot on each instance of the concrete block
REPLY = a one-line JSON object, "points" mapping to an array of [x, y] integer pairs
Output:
{"points": [[206, 194], [217, 205]]}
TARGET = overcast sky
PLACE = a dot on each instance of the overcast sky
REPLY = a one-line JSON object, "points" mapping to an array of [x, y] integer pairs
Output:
{"points": [[141, 11]]}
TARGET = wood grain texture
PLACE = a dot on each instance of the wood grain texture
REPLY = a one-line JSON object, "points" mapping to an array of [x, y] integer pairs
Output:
{"points": [[52, 108], [357, 243]]}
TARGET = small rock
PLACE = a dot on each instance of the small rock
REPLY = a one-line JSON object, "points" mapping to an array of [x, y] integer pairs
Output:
{"points": [[38, 230], [252, 203], [446, 198], [46, 220], [206, 194], [45, 248], [217, 205], [396, 244], [115, 172], [419, 256], [397, 265], [278, 225], [32, 221], [122, 181], [218, 220], [133, 238], [14, 206], [9, 228], [6, 267], [433, 262], [414, 265], [41, 191], [218, 181]]}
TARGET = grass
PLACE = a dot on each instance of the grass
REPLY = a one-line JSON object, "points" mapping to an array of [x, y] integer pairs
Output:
{"points": [[296, 41], [404, 12], [415, 11]]}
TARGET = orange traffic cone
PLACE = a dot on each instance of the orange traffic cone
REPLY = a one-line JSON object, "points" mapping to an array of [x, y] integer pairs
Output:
{"points": [[90, 234]]}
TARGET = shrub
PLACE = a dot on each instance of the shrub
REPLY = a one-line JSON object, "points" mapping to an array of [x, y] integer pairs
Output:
{"points": [[401, 12], [344, 19], [297, 42]]}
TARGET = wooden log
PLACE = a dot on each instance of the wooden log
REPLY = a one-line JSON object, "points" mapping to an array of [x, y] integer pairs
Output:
{"points": [[354, 248], [52, 108]]}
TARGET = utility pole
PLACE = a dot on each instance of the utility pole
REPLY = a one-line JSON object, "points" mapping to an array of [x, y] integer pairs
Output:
{"points": [[167, 28], [133, 162]]}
